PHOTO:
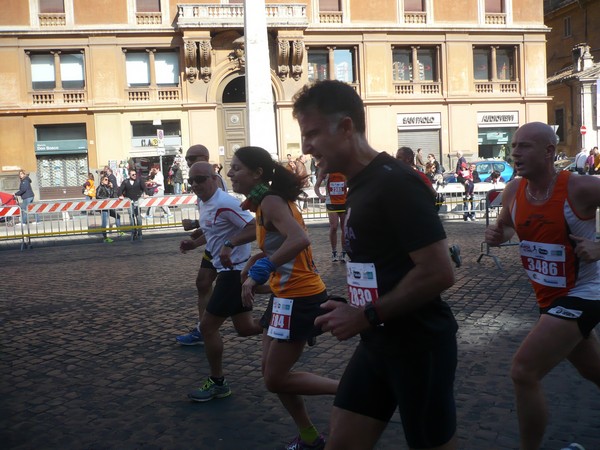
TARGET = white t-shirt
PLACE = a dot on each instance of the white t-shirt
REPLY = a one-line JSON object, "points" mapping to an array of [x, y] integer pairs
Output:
{"points": [[159, 179], [221, 217]]}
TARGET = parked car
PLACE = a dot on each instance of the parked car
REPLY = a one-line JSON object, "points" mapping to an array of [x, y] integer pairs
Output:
{"points": [[484, 169], [565, 164]]}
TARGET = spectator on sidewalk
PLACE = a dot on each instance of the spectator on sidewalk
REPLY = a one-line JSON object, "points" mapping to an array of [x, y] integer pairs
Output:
{"points": [[26, 193], [134, 189], [89, 187], [158, 184], [580, 160], [105, 190]]}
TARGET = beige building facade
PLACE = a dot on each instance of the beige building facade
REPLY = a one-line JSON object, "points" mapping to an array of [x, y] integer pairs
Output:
{"points": [[86, 84], [574, 72]]}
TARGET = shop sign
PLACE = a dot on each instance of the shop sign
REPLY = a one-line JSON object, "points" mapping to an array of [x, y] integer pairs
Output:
{"points": [[498, 118], [419, 121], [61, 146]]}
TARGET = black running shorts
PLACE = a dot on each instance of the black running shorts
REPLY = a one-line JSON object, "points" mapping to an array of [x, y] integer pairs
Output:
{"points": [[206, 262], [420, 384], [304, 312], [585, 312], [341, 208], [226, 298]]}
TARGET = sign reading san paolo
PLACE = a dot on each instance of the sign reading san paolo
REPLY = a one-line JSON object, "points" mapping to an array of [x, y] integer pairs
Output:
{"points": [[419, 120]]}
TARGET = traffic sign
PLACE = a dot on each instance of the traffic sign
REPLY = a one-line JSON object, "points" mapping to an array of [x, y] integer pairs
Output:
{"points": [[583, 130]]}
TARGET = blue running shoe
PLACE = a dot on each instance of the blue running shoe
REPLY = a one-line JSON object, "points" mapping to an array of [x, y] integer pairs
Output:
{"points": [[192, 338], [209, 391]]}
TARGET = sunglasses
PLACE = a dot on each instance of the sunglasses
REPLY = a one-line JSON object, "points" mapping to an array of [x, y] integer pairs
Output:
{"points": [[198, 179]]}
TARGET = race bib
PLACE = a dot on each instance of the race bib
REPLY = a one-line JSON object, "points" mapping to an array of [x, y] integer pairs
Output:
{"points": [[336, 188], [544, 263], [281, 318], [362, 283]]}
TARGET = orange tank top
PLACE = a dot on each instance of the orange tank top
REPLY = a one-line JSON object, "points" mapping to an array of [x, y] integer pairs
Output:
{"points": [[295, 278], [546, 251], [336, 189]]}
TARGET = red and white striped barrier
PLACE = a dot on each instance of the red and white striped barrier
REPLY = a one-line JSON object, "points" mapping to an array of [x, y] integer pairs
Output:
{"points": [[10, 211], [83, 205], [169, 200]]}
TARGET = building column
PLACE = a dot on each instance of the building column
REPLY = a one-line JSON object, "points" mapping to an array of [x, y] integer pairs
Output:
{"points": [[259, 92]]}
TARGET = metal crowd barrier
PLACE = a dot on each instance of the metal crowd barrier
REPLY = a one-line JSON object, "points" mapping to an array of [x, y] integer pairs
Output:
{"points": [[493, 204], [75, 217], [455, 206]]}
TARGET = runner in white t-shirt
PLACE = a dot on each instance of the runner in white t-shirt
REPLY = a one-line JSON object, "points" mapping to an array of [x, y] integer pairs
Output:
{"points": [[226, 231]]}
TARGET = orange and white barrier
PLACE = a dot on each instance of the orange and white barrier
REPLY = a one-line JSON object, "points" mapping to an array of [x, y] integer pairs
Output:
{"points": [[168, 200], [10, 211], [83, 205]]}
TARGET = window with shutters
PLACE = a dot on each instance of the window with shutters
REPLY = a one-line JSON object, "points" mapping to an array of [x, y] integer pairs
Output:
{"points": [[332, 63], [148, 12], [57, 77], [330, 11], [495, 12], [152, 75], [414, 11], [51, 13], [416, 70], [495, 69]]}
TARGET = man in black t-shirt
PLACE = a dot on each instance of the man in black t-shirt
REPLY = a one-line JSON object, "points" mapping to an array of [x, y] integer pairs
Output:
{"points": [[406, 358]]}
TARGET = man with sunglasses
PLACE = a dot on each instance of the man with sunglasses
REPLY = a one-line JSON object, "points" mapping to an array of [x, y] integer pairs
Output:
{"points": [[133, 188], [226, 231], [206, 276]]}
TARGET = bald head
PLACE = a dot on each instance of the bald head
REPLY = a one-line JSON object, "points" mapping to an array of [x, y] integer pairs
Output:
{"points": [[197, 152], [203, 180], [202, 168], [542, 132]]}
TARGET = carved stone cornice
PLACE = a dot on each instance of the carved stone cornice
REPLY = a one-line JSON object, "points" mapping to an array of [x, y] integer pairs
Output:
{"points": [[191, 60], [198, 59], [283, 58], [297, 58], [205, 50]]}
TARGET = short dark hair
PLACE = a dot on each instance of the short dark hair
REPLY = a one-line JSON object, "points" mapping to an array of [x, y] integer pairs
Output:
{"points": [[407, 152], [331, 97]]}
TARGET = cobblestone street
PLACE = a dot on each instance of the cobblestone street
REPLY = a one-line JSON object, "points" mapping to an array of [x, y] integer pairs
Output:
{"points": [[88, 358]]}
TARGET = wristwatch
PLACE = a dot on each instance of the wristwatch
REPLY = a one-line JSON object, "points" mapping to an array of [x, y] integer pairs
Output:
{"points": [[228, 243], [371, 315]]}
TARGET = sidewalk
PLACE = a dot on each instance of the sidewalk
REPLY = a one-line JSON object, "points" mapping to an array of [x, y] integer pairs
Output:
{"points": [[88, 358]]}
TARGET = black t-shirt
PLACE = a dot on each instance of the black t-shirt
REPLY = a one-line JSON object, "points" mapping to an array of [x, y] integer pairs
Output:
{"points": [[390, 214]]}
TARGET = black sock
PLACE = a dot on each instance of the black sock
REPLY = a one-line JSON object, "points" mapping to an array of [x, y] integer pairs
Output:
{"points": [[218, 380]]}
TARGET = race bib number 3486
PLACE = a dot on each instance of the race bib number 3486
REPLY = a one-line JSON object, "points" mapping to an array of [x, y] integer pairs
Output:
{"points": [[362, 283], [544, 263]]}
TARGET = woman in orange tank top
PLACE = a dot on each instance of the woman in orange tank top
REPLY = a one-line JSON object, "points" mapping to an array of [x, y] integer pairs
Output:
{"points": [[286, 263]]}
